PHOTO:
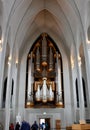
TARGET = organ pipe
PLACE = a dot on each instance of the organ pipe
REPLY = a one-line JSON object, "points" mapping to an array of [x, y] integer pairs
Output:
{"points": [[46, 67], [38, 94], [29, 89], [38, 59], [50, 60], [51, 93], [44, 90], [59, 88], [44, 51]]}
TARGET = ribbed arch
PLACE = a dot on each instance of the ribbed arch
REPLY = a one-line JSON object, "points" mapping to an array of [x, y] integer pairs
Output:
{"points": [[34, 15], [46, 26], [56, 23]]}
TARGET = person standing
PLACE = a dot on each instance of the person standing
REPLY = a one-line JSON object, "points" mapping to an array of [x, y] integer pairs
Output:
{"points": [[25, 126], [11, 127], [17, 127], [35, 126]]}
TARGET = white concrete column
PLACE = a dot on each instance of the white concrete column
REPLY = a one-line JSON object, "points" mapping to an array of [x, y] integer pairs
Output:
{"points": [[1, 47], [80, 88], [8, 93], [2, 62], [0, 56], [89, 56], [74, 95], [88, 81], [15, 92]]}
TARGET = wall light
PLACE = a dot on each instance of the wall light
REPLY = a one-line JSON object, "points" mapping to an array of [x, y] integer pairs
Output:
{"points": [[9, 60], [0, 41], [88, 41], [72, 62], [16, 63], [79, 61], [44, 113]]}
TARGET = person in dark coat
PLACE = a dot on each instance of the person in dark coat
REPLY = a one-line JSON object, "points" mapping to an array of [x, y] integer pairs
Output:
{"points": [[25, 126], [17, 127], [35, 126]]}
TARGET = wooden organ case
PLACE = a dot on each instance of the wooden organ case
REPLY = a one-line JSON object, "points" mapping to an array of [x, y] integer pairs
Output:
{"points": [[45, 90]]}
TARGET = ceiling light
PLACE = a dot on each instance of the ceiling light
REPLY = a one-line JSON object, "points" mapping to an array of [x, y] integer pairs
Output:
{"points": [[44, 113]]}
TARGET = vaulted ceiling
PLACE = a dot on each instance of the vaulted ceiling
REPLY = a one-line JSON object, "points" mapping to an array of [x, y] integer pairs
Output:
{"points": [[59, 18]]}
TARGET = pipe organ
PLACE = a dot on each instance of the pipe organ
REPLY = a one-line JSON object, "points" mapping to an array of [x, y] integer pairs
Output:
{"points": [[47, 89]]}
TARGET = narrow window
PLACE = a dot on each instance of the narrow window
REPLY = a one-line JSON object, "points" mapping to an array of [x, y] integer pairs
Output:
{"points": [[77, 95], [88, 33], [84, 93], [4, 93]]}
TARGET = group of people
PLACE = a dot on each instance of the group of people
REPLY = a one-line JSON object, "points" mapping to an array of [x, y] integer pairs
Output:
{"points": [[24, 126], [44, 126]]}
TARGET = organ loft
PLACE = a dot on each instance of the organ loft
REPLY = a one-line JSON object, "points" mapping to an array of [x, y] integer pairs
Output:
{"points": [[44, 75]]}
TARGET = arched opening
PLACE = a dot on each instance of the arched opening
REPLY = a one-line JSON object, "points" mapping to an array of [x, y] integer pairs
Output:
{"points": [[44, 74]]}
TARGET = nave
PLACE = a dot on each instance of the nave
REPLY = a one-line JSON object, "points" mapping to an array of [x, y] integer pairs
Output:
{"points": [[45, 61]]}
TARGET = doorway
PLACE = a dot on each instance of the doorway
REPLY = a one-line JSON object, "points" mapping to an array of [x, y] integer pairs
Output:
{"points": [[44, 123]]}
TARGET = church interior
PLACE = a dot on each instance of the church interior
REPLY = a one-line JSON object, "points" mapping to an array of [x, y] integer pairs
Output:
{"points": [[45, 62]]}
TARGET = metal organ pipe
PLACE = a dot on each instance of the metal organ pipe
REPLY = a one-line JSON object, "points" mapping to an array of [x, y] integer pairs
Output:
{"points": [[51, 93], [38, 59], [44, 90], [44, 51], [50, 60], [29, 89], [59, 89], [38, 95]]}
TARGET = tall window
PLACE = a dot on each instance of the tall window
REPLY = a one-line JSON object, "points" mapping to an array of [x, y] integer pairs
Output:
{"points": [[77, 94], [12, 93], [84, 93], [4, 93]]}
